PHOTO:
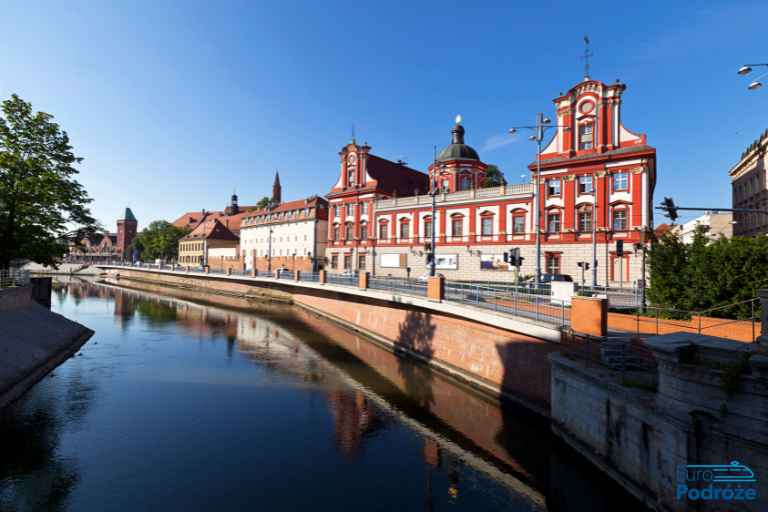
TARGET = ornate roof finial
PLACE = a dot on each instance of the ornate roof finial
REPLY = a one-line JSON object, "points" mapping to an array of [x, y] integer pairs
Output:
{"points": [[587, 54]]}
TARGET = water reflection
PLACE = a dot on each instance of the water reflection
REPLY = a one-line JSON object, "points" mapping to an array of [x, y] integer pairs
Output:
{"points": [[320, 417]]}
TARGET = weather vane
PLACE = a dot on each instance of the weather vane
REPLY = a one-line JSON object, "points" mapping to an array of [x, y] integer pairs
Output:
{"points": [[587, 55]]}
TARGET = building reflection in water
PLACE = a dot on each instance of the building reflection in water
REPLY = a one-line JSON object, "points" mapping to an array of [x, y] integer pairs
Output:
{"points": [[354, 418]]}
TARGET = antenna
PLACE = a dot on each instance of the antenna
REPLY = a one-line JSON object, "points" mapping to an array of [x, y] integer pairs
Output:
{"points": [[587, 54]]}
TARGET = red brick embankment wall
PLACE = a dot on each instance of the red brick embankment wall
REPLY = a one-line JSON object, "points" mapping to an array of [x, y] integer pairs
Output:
{"points": [[502, 361]]}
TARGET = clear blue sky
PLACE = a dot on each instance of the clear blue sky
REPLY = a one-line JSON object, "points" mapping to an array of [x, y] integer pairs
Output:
{"points": [[175, 104]]}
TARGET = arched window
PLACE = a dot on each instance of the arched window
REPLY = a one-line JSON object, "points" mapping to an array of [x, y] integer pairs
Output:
{"points": [[553, 221], [363, 230], [518, 222], [584, 219], [620, 218], [349, 231], [427, 228], [465, 182], [383, 230], [486, 224], [335, 235], [405, 229], [457, 225]]}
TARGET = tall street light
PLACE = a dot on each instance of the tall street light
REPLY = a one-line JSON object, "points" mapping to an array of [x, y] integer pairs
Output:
{"points": [[747, 69], [542, 124]]}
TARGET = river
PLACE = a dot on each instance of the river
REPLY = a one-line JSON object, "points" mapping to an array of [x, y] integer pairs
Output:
{"points": [[196, 402]]}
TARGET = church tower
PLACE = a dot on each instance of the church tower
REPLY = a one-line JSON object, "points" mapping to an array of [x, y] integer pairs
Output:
{"points": [[276, 190], [126, 232]]}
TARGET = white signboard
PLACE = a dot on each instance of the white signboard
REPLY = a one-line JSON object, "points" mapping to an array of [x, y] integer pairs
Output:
{"points": [[447, 261], [391, 260], [562, 291]]}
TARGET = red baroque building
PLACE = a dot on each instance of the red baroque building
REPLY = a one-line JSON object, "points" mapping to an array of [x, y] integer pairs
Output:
{"points": [[597, 181], [364, 178]]}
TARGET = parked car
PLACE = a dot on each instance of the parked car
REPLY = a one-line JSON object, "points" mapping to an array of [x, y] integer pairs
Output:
{"points": [[548, 278]]}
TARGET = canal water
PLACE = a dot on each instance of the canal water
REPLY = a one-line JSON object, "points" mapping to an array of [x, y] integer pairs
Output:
{"points": [[194, 402]]}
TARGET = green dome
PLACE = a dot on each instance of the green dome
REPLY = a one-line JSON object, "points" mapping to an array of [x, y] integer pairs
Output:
{"points": [[457, 150]]}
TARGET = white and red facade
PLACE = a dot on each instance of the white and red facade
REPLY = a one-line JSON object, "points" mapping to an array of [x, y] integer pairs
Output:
{"points": [[363, 179], [593, 171]]}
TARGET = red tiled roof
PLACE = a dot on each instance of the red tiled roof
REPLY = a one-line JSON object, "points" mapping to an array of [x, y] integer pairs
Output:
{"points": [[211, 229], [191, 220], [391, 177]]}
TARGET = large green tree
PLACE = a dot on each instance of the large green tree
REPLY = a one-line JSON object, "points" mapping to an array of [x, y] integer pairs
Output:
{"points": [[42, 206], [708, 273], [494, 177], [159, 240], [263, 202]]}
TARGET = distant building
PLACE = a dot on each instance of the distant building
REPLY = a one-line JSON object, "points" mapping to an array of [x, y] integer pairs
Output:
{"points": [[105, 246], [292, 235], [230, 216], [749, 188], [716, 225], [209, 240]]}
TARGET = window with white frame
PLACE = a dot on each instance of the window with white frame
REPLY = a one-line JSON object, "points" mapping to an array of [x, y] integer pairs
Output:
{"points": [[585, 219], [486, 225], [585, 184], [620, 219], [586, 136], [553, 187], [405, 229], [518, 223], [620, 181], [383, 230], [553, 222]]}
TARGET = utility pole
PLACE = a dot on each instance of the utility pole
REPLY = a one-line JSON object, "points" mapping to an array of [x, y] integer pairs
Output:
{"points": [[542, 124]]}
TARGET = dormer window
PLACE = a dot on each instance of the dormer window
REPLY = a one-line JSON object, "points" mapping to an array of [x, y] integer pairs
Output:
{"points": [[586, 136]]}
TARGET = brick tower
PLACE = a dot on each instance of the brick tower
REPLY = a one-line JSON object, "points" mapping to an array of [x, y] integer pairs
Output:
{"points": [[126, 232], [277, 190]]}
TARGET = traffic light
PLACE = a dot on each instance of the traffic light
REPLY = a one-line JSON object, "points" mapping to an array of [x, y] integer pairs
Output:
{"points": [[668, 205], [512, 257], [619, 248]]}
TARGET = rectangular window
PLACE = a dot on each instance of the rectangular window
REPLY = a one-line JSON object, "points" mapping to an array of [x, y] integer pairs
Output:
{"points": [[457, 227], [585, 221], [586, 136], [334, 261], [518, 224], [553, 187], [363, 231], [349, 234], [486, 226], [361, 262], [350, 209], [383, 231], [405, 230], [364, 207], [620, 220], [552, 264], [585, 185], [553, 222], [347, 261], [336, 211], [620, 182]]}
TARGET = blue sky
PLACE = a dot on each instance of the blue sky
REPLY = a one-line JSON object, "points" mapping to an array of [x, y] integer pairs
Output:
{"points": [[175, 104]]}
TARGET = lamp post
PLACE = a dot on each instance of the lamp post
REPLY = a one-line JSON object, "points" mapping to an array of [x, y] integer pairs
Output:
{"points": [[542, 124], [434, 190], [269, 252], [747, 69]]}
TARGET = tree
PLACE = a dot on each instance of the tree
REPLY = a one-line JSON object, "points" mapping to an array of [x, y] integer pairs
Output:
{"points": [[159, 240], [42, 206], [493, 177], [263, 202]]}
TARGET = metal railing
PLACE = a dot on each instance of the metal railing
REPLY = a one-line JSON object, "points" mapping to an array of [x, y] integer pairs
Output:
{"points": [[342, 279], [518, 301], [13, 277], [399, 285]]}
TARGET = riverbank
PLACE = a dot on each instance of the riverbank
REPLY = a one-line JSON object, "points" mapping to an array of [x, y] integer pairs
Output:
{"points": [[33, 341]]}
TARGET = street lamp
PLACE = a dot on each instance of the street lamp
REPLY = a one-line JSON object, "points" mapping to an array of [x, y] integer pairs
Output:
{"points": [[747, 69], [269, 253], [543, 123]]}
